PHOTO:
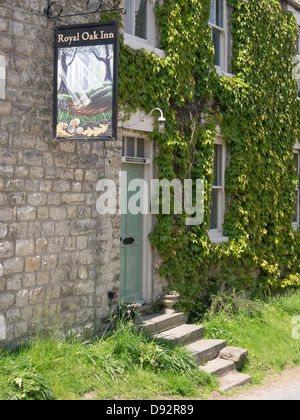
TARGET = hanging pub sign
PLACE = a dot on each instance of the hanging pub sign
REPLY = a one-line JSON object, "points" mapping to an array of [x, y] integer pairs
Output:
{"points": [[85, 85]]}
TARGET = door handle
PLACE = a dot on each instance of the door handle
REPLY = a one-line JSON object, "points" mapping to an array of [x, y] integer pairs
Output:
{"points": [[128, 241]]}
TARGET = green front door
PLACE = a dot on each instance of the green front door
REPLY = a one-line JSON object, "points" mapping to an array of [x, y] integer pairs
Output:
{"points": [[131, 240]]}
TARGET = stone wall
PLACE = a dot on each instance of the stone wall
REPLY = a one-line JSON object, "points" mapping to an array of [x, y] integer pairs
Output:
{"points": [[58, 257]]}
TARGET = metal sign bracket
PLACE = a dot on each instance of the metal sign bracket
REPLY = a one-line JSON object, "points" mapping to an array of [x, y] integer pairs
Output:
{"points": [[55, 10]]}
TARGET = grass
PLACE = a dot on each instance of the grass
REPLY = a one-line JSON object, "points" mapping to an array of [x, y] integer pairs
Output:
{"points": [[85, 120], [127, 364], [265, 328]]}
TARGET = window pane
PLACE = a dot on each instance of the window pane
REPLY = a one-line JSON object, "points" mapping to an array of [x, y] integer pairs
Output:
{"points": [[141, 18], [214, 209], [212, 12], [295, 217], [220, 13], [130, 146], [216, 39], [298, 207], [129, 21], [218, 165], [296, 157], [140, 148]]}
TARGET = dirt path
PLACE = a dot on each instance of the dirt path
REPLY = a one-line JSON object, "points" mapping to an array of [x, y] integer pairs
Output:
{"points": [[276, 387]]}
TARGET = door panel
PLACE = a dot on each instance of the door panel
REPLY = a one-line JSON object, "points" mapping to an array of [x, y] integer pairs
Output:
{"points": [[131, 241]]}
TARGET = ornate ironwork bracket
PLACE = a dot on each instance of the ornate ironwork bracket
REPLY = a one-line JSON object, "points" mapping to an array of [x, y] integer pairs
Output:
{"points": [[55, 10]]}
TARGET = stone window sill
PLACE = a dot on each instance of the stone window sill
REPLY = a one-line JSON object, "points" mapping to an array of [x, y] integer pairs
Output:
{"points": [[296, 226], [138, 43], [223, 73], [217, 237]]}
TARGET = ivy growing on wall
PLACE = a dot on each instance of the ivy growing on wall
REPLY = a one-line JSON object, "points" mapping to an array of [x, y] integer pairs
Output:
{"points": [[257, 113]]}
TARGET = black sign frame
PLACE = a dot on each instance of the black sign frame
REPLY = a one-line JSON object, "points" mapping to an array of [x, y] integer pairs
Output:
{"points": [[75, 112]]}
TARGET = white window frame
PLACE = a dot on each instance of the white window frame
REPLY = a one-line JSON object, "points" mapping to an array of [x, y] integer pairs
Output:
{"points": [[149, 44], [130, 14], [298, 56], [216, 235], [2, 77], [146, 159], [222, 69], [296, 13], [297, 223]]}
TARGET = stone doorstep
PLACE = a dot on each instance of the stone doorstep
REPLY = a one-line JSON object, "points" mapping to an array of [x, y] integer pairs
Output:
{"points": [[184, 334], [154, 324], [206, 350], [233, 380]]}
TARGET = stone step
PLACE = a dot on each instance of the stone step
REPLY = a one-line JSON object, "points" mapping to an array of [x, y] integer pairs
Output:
{"points": [[218, 367], [183, 334], [233, 380], [154, 324], [235, 354], [206, 350], [221, 360]]}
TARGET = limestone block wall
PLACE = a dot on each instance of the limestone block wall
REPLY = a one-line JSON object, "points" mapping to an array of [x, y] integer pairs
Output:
{"points": [[58, 257]]}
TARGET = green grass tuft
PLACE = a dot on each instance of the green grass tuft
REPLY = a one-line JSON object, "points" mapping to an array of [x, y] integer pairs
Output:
{"points": [[265, 328], [113, 365], [127, 364]]}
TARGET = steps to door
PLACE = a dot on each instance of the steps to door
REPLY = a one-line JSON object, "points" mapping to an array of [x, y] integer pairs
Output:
{"points": [[206, 350], [218, 367], [154, 324], [233, 380], [212, 356], [183, 334]]}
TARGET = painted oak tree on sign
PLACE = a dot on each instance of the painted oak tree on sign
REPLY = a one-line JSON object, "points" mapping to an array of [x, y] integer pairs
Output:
{"points": [[67, 57]]}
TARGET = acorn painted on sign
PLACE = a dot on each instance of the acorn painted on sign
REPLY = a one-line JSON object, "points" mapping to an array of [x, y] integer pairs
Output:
{"points": [[75, 122], [79, 130], [62, 126], [71, 129]]}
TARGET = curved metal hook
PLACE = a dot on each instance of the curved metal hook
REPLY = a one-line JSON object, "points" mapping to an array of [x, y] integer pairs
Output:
{"points": [[49, 12], [102, 5]]}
